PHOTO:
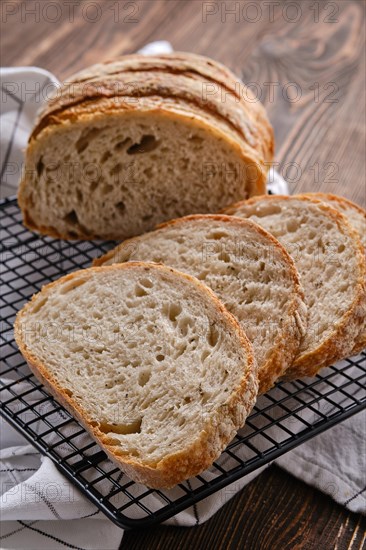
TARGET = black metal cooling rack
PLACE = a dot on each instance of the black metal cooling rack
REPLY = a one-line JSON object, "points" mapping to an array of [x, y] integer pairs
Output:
{"points": [[282, 419]]}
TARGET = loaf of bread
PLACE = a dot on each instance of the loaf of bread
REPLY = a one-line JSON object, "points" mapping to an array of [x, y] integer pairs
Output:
{"points": [[331, 263], [130, 143], [357, 218], [148, 360], [248, 270]]}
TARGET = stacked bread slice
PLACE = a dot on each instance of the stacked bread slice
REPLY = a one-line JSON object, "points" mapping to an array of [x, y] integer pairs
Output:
{"points": [[331, 261], [354, 213], [150, 362], [127, 144], [357, 218]]}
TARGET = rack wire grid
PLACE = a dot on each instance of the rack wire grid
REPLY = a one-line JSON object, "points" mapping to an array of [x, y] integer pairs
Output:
{"points": [[285, 417]]}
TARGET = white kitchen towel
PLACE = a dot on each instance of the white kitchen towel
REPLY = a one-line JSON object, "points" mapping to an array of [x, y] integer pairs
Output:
{"points": [[40, 509]]}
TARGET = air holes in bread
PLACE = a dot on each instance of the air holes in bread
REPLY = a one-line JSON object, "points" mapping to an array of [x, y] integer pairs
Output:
{"points": [[146, 283], [107, 155], [85, 138], [148, 172], [148, 143], [121, 207], [217, 235], [224, 256], [123, 144], [39, 305], [116, 169], [184, 325], [172, 311], [107, 188], [71, 218], [40, 167], [213, 336], [266, 210], [180, 352], [79, 196], [144, 377], [140, 291], [72, 285], [122, 429], [292, 226]]}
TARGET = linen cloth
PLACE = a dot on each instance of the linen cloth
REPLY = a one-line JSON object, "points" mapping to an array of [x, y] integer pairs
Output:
{"points": [[40, 509]]}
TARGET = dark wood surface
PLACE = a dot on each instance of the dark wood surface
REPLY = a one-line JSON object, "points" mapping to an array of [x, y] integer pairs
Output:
{"points": [[275, 512], [306, 60]]}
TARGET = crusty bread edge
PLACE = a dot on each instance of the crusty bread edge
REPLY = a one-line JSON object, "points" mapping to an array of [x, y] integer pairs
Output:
{"points": [[172, 65], [208, 445], [360, 343], [336, 198], [293, 330], [342, 342]]}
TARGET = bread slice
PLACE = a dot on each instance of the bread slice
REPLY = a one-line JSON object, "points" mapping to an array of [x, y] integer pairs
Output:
{"points": [[148, 360], [353, 212], [248, 270], [357, 218], [331, 263], [128, 144]]}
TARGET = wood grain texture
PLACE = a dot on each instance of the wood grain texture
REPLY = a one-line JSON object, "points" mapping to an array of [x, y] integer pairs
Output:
{"points": [[274, 512], [283, 47]]}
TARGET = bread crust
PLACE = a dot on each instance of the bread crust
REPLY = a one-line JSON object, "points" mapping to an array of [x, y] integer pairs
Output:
{"points": [[209, 443], [178, 74], [337, 199], [343, 203], [342, 341], [340, 204], [294, 326]]}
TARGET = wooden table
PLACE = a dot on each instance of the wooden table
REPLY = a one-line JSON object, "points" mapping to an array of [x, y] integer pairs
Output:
{"points": [[306, 62]]}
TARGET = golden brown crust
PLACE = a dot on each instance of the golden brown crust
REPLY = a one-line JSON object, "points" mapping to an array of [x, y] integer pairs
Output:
{"points": [[360, 344], [219, 430], [337, 199], [344, 336], [177, 74], [148, 84], [287, 344], [342, 203]]}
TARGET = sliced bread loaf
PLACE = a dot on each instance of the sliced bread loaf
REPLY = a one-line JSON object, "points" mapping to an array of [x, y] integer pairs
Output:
{"points": [[128, 144], [331, 263], [148, 360], [357, 218], [248, 270]]}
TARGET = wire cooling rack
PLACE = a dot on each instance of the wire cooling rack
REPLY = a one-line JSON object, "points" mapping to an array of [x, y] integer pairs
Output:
{"points": [[288, 415]]}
